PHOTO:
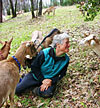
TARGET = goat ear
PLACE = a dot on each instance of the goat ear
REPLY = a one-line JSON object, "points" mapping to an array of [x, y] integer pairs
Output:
{"points": [[10, 40], [28, 57]]}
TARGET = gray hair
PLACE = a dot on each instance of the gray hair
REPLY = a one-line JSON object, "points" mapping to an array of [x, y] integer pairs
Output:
{"points": [[59, 39]]}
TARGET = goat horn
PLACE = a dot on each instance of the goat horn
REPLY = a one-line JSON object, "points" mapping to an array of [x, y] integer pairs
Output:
{"points": [[10, 40]]}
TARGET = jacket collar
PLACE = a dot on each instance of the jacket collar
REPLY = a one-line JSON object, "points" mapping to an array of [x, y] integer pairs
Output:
{"points": [[53, 55]]}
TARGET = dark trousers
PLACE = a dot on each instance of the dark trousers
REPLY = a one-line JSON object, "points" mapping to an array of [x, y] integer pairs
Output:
{"points": [[28, 83]]}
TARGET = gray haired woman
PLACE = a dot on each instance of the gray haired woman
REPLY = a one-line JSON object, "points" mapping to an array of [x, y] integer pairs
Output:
{"points": [[47, 68]]}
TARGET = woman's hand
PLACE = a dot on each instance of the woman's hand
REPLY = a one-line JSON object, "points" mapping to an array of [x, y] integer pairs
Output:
{"points": [[45, 84]]}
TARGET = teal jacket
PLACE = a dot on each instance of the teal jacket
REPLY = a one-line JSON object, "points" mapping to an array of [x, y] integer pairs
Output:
{"points": [[50, 68], [48, 65]]}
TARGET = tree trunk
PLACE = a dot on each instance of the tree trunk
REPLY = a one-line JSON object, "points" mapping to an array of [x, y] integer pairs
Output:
{"points": [[12, 8], [40, 8], [32, 9], [15, 9], [61, 2], [0, 11], [37, 8]]}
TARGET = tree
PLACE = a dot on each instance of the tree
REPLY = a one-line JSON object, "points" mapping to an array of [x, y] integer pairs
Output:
{"points": [[32, 9], [0, 11], [91, 8], [37, 8], [40, 8], [13, 9], [61, 2], [55, 2]]}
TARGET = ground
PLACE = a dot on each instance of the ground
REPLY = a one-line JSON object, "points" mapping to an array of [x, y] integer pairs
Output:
{"points": [[80, 87]]}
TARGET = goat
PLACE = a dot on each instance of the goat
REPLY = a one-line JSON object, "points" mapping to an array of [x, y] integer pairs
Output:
{"points": [[4, 51], [47, 39], [93, 42], [37, 37], [82, 3], [20, 12], [81, 7], [44, 43], [49, 10], [9, 71]]}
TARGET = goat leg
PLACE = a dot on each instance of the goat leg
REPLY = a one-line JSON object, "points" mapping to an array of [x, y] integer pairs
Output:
{"points": [[11, 97]]}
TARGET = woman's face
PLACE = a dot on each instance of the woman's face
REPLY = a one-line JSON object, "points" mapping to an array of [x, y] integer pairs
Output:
{"points": [[64, 47]]}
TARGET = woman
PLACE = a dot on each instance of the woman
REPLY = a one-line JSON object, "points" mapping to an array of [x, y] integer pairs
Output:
{"points": [[47, 68]]}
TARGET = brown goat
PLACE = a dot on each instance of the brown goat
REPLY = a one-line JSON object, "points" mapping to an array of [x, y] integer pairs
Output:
{"points": [[4, 51], [9, 72], [81, 8], [82, 3], [37, 35], [48, 40], [49, 10], [43, 43]]}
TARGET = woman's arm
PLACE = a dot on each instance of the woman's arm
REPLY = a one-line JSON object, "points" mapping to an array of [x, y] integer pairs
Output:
{"points": [[36, 66]]}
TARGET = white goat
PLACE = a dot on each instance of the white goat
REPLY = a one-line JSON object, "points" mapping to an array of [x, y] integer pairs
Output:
{"points": [[93, 42]]}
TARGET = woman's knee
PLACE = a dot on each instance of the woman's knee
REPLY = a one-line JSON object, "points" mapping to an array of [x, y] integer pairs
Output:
{"points": [[18, 90]]}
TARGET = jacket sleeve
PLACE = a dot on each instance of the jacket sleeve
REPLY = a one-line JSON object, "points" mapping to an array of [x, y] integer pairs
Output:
{"points": [[61, 74], [63, 71], [36, 66]]}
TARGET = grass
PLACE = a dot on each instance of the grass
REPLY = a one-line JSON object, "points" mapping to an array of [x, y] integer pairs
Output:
{"points": [[66, 18]]}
